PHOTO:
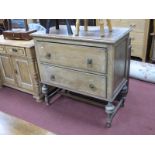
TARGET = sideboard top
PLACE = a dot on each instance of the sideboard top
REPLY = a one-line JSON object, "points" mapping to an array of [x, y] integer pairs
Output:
{"points": [[93, 34], [19, 43]]}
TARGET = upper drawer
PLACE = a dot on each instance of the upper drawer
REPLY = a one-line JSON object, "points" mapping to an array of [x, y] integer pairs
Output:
{"points": [[80, 57], [77, 81], [2, 49], [19, 51]]}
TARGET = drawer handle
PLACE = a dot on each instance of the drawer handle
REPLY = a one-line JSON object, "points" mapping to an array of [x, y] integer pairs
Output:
{"points": [[14, 50], [48, 56], [15, 71], [52, 77], [133, 25], [89, 61], [91, 86]]}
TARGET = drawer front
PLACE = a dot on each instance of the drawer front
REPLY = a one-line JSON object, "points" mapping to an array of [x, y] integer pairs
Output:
{"points": [[80, 57], [81, 82], [137, 38], [137, 50], [2, 49], [138, 24], [19, 51]]}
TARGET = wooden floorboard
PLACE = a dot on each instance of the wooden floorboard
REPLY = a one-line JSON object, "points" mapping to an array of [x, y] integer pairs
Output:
{"points": [[10, 125]]}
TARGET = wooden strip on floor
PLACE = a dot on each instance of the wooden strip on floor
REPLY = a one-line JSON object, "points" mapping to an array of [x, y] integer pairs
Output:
{"points": [[10, 125]]}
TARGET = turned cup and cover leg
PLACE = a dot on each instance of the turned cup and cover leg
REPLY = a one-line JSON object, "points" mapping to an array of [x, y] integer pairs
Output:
{"points": [[109, 109], [45, 92]]}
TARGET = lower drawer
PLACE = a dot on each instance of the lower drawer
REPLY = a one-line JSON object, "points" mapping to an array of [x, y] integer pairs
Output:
{"points": [[80, 82], [137, 50]]}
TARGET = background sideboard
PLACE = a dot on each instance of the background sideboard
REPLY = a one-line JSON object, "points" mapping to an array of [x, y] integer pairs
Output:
{"points": [[139, 35], [18, 66]]}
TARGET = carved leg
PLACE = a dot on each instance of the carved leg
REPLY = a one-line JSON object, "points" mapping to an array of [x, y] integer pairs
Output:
{"points": [[45, 92], [101, 23], [123, 94], [86, 24], [109, 109], [77, 27], [109, 25], [38, 98]]}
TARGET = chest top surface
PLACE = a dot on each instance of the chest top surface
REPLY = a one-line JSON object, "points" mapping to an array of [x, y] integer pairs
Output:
{"points": [[19, 43], [93, 34]]}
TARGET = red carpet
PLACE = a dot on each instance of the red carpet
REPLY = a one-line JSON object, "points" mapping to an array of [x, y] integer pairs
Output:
{"points": [[68, 116]]}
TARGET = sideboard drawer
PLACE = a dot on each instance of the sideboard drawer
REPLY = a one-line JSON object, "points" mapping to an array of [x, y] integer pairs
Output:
{"points": [[137, 24], [15, 50], [137, 50], [2, 49], [77, 81], [81, 57]]}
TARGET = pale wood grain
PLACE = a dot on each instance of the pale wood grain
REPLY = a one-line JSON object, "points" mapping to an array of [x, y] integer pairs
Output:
{"points": [[18, 66], [139, 34], [7, 71], [65, 68], [18, 43], [91, 36], [10, 125], [75, 80], [74, 56]]}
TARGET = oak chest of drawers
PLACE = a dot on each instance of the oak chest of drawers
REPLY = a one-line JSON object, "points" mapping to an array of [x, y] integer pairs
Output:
{"points": [[18, 66], [85, 64], [139, 35]]}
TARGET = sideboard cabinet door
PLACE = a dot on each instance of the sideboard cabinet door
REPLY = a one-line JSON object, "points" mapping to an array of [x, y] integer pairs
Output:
{"points": [[23, 75], [7, 70]]}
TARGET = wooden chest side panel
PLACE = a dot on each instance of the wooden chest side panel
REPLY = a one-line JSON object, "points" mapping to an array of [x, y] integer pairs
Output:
{"points": [[119, 63]]}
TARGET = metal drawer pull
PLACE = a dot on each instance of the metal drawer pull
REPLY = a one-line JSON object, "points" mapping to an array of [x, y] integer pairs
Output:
{"points": [[48, 56], [89, 61], [133, 25], [91, 86], [52, 77], [14, 50], [15, 71]]}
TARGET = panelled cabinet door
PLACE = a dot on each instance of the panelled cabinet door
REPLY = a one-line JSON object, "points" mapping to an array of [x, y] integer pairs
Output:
{"points": [[23, 75], [7, 70]]}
